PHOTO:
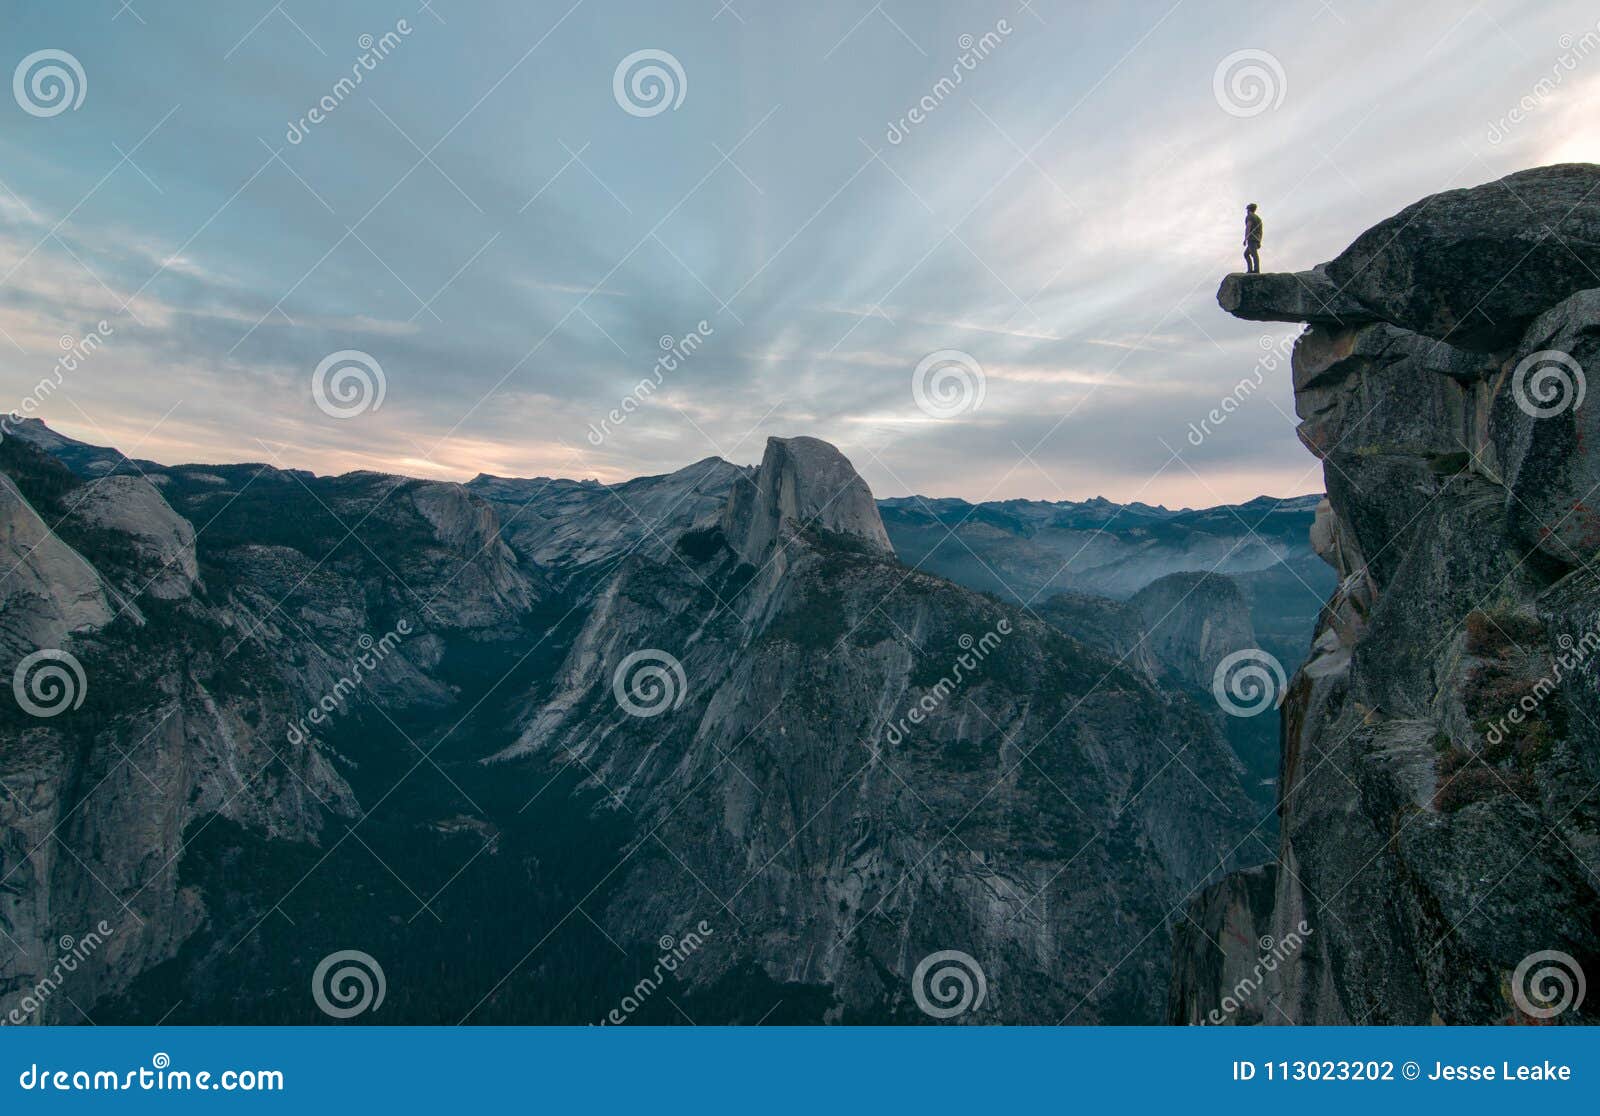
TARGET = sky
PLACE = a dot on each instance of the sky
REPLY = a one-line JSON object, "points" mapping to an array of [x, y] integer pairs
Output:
{"points": [[1002, 287]]}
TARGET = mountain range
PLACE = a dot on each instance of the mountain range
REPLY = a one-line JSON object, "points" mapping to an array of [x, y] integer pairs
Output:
{"points": [[508, 736], [742, 744]]}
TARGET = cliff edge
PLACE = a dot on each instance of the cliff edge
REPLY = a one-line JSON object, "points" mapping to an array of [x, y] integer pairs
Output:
{"points": [[1440, 780]]}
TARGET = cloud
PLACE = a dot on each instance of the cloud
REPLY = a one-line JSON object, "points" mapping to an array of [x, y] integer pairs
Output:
{"points": [[1065, 217]]}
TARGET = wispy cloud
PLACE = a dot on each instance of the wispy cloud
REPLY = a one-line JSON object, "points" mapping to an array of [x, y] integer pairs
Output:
{"points": [[1065, 220]]}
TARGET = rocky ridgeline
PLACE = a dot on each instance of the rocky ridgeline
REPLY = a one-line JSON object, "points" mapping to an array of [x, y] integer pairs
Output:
{"points": [[848, 766], [715, 696], [190, 667], [1440, 786]]}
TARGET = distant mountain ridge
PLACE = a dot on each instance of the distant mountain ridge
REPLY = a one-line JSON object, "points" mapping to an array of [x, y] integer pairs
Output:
{"points": [[1095, 545], [399, 715], [1027, 551]]}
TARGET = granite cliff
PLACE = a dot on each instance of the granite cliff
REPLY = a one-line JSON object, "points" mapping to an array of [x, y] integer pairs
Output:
{"points": [[1439, 854], [505, 737]]}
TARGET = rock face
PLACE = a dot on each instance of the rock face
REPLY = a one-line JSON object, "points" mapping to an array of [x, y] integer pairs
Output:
{"points": [[162, 540], [192, 674], [325, 713], [50, 592], [1176, 632], [1113, 627], [1224, 953], [1439, 824], [574, 530], [1194, 621], [848, 766], [140, 732], [801, 482], [1468, 268]]}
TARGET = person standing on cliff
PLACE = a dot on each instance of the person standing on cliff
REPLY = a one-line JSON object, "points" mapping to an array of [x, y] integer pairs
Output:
{"points": [[1252, 240]]}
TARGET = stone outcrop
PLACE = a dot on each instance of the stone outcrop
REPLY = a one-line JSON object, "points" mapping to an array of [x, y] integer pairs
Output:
{"points": [[49, 592], [1470, 268], [1441, 746], [856, 765], [192, 672], [1310, 296], [801, 482], [373, 712], [162, 540], [1194, 621]]}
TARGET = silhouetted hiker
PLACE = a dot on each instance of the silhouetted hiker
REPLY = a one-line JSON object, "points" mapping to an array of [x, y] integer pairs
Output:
{"points": [[1252, 240]]}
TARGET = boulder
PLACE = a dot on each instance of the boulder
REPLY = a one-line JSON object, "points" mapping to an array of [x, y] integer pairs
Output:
{"points": [[1474, 267]]}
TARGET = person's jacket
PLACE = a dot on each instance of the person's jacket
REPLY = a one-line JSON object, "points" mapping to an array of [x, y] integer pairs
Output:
{"points": [[1252, 230]]}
